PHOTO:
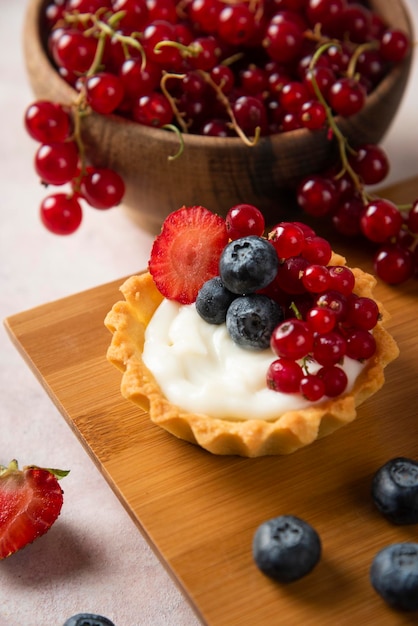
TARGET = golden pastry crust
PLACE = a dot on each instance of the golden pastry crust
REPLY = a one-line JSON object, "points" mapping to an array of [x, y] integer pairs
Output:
{"points": [[127, 322]]}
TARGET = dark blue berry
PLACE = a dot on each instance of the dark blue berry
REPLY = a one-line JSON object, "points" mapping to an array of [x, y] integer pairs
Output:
{"points": [[213, 300], [248, 264], [286, 548], [395, 490], [394, 575], [250, 320], [88, 619]]}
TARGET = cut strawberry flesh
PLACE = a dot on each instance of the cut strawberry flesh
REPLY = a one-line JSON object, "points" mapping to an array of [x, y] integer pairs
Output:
{"points": [[186, 253]]}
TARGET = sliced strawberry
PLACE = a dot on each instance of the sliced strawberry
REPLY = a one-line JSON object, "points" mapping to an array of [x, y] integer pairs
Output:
{"points": [[30, 502], [186, 253]]}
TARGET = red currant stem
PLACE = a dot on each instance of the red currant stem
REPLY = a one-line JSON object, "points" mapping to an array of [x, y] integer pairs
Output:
{"points": [[295, 311], [343, 145], [179, 152], [193, 50], [225, 102], [351, 69], [177, 114], [128, 41]]}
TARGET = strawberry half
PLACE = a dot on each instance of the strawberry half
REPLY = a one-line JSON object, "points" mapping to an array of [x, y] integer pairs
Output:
{"points": [[186, 253], [30, 502]]}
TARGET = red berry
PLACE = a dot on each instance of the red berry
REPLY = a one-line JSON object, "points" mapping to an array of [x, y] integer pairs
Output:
{"points": [[317, 195], [56, 163], [312, 387], [317, 250], [362, 312], [61, 214], [342, 279], [292, 339], [394, 45], [186, 253], [320, 319], [284, 375], [334, 379], [347, 96], [283, 40], [329, 349], [104, 92], [370, 163], [152, 110], [380, 220], [361, 344], [102, 188], [287, 238], [236, 24], [334, 301], [316, 278], [244, 219], [394, 264], [30, 502], [47, 122]]}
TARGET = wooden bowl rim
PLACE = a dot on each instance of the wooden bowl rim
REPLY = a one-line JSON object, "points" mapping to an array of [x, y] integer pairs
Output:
{"points": [[35, 51]]}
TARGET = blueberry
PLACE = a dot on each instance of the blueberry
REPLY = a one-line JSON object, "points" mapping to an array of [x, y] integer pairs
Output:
{"points": [[213, 300], [394, 575], [286, 548], [248, 264], [88, 619], [250, 320], [395, 490]]}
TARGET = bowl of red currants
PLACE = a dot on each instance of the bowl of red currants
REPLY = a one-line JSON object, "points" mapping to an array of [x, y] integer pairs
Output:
{"points": [[212, 102]]}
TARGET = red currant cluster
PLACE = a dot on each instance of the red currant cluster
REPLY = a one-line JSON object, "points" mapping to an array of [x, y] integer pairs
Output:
{"points": [[325, 320], [57, 162], [225, 68]]}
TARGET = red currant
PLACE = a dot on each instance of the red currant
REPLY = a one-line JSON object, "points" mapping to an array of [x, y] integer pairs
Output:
{"points": [[102, 188], [244, 219], [61, 214], [47, 122], [292, 339], [284, 375], [56, 163]]}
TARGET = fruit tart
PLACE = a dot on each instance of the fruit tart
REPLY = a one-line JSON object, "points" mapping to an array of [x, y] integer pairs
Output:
{"points": [[248, 343]]}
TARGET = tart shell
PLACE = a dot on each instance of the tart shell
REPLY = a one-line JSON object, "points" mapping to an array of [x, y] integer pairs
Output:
{"points": [[127, 322]]}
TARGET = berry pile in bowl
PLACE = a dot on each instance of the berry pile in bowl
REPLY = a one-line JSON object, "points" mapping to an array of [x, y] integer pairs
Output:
{"points": [[213, 102], [246, 341]]}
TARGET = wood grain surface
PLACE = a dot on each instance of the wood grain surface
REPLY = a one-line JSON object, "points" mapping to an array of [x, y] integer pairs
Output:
{"points": [[198, 511]]}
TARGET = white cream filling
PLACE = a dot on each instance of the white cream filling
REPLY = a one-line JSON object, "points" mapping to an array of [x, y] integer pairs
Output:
{"points": [[200, 369]]}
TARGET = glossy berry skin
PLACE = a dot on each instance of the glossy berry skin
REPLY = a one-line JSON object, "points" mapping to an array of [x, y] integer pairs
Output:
{"points": [[395, 490], [250, 320], [213, 301], [292, 339], [287, 238], [394, 575], [47, 122], [248, 264], [61, 214], [394, 264], [347, 96], [286, 548], [56, 163], [284, 375], [104, 92], [380, 220], [244, 219], [102, 188], [88, 619]]}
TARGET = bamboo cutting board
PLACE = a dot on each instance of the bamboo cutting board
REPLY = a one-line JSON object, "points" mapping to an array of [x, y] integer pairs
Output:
{"points": [[198, 511]]}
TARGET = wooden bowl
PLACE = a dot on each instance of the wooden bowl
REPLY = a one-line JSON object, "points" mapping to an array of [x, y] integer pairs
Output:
{"points": [[214, 172]]}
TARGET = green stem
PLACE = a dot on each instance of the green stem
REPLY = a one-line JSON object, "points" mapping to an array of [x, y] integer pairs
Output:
{"points": [[343, 146]]}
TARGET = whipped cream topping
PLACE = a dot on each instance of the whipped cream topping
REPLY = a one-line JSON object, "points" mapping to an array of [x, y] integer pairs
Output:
{"points": [[200, 369]]}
